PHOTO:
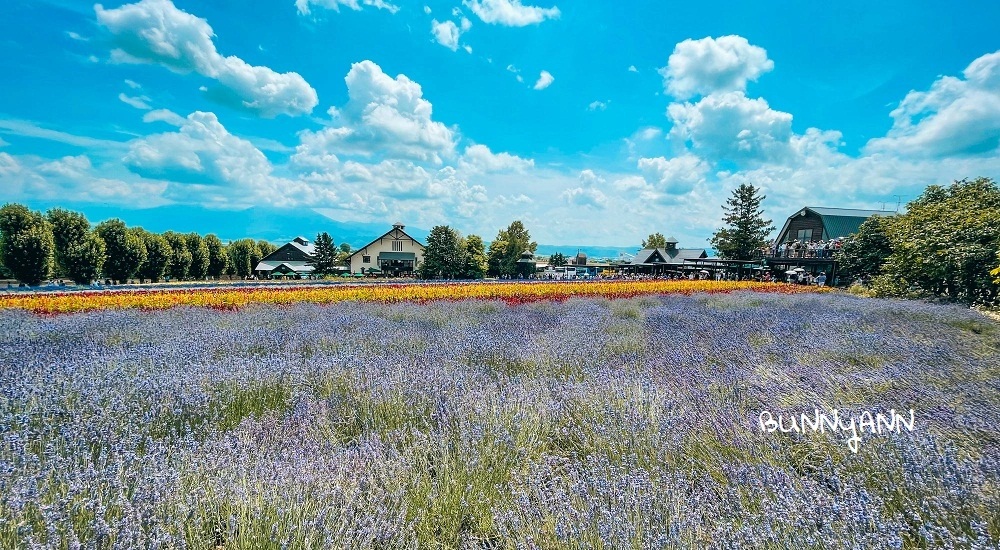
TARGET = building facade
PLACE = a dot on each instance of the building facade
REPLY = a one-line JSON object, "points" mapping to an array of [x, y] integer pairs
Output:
{"points": [[394, 254]]}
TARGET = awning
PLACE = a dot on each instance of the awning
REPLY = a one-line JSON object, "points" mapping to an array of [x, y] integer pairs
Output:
{"points": [[397, 256]]}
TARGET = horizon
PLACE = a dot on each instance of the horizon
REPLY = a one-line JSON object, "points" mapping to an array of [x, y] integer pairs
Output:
{"points": [[589, 123]]}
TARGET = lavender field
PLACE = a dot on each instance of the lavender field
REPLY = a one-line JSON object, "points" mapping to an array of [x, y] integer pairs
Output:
{"points": [[581, 424]]}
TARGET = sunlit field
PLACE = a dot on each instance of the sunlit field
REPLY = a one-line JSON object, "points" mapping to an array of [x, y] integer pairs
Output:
{"points": [[573, 422]]}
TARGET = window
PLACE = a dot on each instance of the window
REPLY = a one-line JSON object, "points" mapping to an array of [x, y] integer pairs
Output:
{"points": [[805, 235], [366, 259], [397, 246]]}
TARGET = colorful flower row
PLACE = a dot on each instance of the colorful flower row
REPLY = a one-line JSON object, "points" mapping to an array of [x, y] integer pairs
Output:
{"points": [[514, 293]]}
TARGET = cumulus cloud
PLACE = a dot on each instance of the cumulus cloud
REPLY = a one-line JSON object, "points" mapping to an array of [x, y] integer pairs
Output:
{"points": [[72, 178], [598, 105], [383, 115], [675, 175], [701, 67], [955, 117], [155, 31], [479, 158], [304, 5], [632, 69], [201, 151], [446, 33], [731, 126], [544, 80], [510, 13], [587, 194]]}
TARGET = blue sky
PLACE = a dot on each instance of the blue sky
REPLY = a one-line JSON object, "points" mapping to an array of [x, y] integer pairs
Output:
{"points": [[593, 122]]}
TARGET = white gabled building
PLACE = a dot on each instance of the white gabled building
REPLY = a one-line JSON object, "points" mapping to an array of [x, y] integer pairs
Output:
{"points": [[394, 254]]}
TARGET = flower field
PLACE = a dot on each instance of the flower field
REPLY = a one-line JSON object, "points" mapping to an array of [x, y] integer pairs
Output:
{"points": [[408, 422], [234, 298]]}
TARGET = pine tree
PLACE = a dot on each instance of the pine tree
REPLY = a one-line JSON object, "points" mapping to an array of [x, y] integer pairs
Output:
{"points": [[746, 229], [324, 260]]}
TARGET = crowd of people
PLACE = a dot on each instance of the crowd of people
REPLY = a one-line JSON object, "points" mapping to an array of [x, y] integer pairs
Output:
{"points": [[806, 249]]}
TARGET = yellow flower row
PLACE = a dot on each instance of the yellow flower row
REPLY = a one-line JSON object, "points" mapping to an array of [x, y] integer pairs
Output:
{"points": [[234, 298]]}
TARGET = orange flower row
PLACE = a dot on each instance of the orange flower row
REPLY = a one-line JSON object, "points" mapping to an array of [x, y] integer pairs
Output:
{"points": [[234, 298]]}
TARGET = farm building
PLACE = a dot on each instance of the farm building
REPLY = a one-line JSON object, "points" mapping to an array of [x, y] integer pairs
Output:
{"points": [[290, 260], [394, 254], [657, 261], [812, 223]]}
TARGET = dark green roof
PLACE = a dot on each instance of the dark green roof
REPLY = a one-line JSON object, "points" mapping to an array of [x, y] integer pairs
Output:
{"points": [[397, 256]]}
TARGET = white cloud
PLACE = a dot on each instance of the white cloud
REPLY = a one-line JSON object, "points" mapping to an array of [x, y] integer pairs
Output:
{"points": [[427, 10], [598, 105], [132, 84], [479, 158], [632, 69], [383, 115], [33, 130], [587, 194], [72, 178], [3, 143], [510, 12], [137, 102], [155, 31], [676, 175], [8, 165], [544, 80], [467, 48], [446, 33], [701, 67], [730, 126], [164, 115], [955, 117], [466, 24], [76, 36], [304, 5]]}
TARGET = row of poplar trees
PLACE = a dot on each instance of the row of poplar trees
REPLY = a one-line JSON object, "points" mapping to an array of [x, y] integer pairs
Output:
{"points": [[60, 243]]}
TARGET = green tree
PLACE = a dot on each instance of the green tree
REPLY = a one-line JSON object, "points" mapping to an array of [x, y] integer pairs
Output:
{"points": [[199, 256], [180, 257], [158, 256], [217, 257], [946, 243], [557, 260], [655, 240], [444, 255], [69, 230], [243, 257], [746, 229], [26, 244], [325, 257], [507, 248], [85, 259], [124, 250], [475, 258], [345, 253], [264, 248], [863, 253]]}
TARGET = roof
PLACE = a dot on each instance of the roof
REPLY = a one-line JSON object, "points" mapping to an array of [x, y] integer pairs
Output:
{"points": [[837, 222], [674, 256], [296, 266]]}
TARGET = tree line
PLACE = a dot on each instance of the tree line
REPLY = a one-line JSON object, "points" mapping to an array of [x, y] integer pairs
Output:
{"points": [[63, 244]]}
